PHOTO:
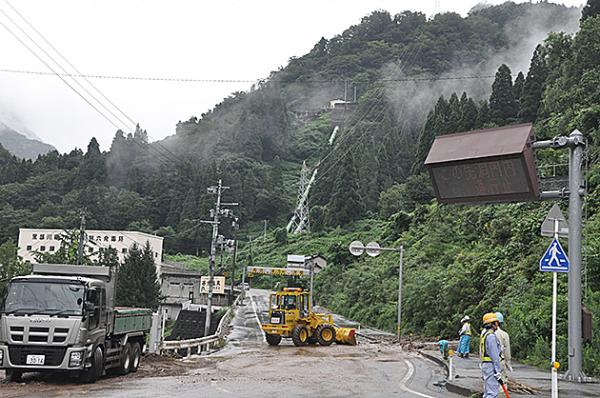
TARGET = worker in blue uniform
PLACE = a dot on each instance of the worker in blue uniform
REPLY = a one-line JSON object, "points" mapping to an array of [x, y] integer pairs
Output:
{"points": [[444, 347], [489, 351], [464, 344]]}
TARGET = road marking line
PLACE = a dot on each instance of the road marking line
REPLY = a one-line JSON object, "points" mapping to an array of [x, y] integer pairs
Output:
{"points": [[411, 371], [264, 337]]}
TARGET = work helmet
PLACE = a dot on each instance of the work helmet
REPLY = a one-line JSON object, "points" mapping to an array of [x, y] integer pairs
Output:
{"points": [[489, 318], [500, 317], [465, 319]]}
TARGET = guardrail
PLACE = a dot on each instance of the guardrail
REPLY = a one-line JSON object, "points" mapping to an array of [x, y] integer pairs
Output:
{"points": [[201, 343]]}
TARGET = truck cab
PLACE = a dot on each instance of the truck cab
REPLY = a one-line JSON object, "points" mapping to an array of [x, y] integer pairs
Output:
{"points": [[62, 318]]}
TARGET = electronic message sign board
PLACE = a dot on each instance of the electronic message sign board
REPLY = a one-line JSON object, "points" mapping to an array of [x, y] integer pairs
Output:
{"points": [[491, 165]]}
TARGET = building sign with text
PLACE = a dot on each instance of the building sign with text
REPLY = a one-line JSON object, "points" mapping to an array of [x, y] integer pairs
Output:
{"points": [[218, 285]]}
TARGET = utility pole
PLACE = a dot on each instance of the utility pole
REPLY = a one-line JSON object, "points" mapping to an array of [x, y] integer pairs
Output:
{"points": [[345, 91], [235, 226], [401, 250], [265, 229], [221, 242], [233, 271], [216, 213], [213, 248], [81, 242]]}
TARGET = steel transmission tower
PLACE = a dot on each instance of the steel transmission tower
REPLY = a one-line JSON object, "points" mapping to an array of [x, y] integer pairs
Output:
{"points": [[300, 221]]}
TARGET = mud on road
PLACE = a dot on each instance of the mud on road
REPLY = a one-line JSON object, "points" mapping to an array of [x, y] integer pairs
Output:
{"points": [[326, 368], [60, 384]]}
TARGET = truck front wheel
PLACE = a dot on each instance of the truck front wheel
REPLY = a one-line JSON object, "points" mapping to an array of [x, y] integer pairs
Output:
{"points": [[94, 372], [13, 375], [136, 354]]}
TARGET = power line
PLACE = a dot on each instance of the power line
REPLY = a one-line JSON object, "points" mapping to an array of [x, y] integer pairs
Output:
{"points": [[196, 80], [54, 72], [348, 136], [57, 74], [175, 157], [67, 61], [62, 68]]}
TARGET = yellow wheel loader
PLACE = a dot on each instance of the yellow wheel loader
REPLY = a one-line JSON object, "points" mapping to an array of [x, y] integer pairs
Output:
{"points": [[291, 316]]}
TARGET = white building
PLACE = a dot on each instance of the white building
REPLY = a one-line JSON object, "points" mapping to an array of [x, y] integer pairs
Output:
{"points": [[34, 240]]}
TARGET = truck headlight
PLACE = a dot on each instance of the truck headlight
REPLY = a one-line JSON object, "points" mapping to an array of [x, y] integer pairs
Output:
{"points": [[1, 357], [76, 358]]}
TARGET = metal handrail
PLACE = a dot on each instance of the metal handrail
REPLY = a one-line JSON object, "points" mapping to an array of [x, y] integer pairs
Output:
{"points": [[201, 341]]}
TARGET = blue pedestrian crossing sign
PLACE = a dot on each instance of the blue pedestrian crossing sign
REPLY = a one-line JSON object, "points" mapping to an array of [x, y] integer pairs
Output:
{"points": [[555, 258]]}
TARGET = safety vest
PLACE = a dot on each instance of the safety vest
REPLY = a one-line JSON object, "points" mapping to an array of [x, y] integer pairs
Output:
{"points": [[468, 330], [482, 351]]}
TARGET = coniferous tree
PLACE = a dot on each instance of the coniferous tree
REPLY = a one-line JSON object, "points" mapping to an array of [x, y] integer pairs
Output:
{"points": [[107, 257], [454, 115], [345, 205], [503, 107], [591, 9], [483, 115], [93, 167], [137, 285], [468, 113], [533, 87], [518, 87], [189, 208], [11, 265], [434, 126]]}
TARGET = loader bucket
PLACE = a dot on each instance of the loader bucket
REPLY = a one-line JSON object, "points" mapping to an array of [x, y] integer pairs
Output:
{"points": [[345, 336]]}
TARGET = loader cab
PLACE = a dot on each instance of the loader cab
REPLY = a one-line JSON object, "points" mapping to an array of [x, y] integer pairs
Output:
{"points": [[289, 304]]}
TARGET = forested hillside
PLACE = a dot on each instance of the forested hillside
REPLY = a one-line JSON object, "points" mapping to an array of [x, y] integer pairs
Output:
{"points": [[22, 146], [415, 78]]}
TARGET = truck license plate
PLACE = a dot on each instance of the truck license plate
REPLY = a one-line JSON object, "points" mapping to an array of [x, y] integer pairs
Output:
{"points": [[275, 320], [35, 359]]}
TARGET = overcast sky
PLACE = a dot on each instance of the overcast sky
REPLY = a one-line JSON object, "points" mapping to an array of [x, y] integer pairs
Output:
{"points": [[216, 39]]}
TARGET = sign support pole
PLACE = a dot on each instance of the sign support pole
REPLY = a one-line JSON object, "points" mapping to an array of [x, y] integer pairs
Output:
{"points": [[312, 274], [401, 250], [554, 294], [575, 372]]}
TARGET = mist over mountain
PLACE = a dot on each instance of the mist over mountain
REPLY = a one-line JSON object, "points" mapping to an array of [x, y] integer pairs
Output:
{"points": [[20, 145], [415, 78]]}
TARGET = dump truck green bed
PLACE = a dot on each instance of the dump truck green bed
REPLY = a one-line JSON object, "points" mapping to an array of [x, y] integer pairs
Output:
{"points": [[128, 320]]}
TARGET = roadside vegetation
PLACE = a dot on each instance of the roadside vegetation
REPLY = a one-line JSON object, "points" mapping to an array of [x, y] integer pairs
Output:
{"points": [[371, 184]]}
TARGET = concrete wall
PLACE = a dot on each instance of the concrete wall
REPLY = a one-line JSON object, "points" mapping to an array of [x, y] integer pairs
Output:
{"points": [[180, 286]]}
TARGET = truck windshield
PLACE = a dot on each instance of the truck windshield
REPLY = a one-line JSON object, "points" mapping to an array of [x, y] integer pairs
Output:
{"points": [[44, 297]]}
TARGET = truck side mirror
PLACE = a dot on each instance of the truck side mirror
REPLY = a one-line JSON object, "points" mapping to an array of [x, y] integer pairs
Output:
{"points": [[88, 306]]}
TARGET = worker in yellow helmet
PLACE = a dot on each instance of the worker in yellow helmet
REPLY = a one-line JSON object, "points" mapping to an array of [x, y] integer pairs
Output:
{"points": [[489, 351], [504, 340]]}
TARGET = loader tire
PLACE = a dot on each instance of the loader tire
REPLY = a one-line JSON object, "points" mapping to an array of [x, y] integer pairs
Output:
{"points": [[300, 336], [325, 334], [273, 339]]}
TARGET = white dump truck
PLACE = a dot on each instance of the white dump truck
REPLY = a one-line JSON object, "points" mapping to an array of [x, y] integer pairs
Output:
{"points": [[62, 318]]}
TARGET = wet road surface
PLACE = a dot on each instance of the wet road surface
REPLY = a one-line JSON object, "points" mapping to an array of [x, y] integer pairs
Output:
{"points": [[248, 367]]}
